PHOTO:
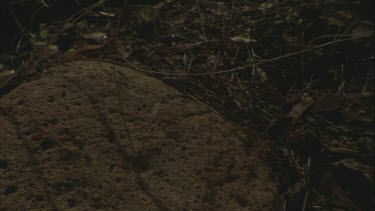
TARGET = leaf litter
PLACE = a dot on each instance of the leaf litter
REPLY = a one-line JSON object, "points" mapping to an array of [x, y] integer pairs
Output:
{"points": [[301, 72]]}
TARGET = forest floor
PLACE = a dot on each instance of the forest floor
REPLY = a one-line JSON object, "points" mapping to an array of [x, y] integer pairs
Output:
{"points": [[300, 72]]}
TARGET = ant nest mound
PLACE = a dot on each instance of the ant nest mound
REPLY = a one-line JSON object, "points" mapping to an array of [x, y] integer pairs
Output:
{"points": [[90, 135]]}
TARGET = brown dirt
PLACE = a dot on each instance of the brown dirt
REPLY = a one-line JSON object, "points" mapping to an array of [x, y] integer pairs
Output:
{"points": [[89, 135]]}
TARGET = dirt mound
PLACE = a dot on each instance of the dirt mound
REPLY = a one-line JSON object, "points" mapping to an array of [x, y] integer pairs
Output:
{"points": [[89, 135]]}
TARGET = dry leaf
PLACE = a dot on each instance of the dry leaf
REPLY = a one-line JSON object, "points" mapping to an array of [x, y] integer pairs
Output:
{"points": [[301, 107], [239, 39], [97, 36]]}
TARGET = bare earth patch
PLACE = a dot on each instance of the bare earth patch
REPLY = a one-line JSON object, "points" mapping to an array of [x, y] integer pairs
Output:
{"points": [[90, 135]]}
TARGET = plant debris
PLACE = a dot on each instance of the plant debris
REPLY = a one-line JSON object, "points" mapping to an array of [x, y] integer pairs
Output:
{"points": [[301, 72]]}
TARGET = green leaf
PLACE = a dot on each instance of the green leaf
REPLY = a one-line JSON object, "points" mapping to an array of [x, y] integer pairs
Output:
{"points": [[43, 34]]}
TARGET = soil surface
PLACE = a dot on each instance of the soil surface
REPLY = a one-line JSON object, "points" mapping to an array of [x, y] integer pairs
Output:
{"points": [[89, 135]]}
